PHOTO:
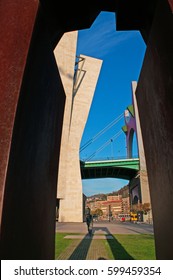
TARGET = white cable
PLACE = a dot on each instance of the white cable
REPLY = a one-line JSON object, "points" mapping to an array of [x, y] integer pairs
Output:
{"points": [[105, 144], [101, 132]]}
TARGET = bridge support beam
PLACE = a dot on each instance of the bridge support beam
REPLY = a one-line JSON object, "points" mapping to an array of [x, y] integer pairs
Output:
{"points": [[155, 103]]}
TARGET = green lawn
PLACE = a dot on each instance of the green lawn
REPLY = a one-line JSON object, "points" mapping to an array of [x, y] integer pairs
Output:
{"points": [[122, 247], [131, 246], [61, 243]]}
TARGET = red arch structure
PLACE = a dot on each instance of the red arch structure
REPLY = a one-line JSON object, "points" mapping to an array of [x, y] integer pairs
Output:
{"points": [[31, 110]]}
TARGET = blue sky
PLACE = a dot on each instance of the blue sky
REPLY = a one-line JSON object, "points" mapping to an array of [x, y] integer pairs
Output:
{"points": [[122, 53]]}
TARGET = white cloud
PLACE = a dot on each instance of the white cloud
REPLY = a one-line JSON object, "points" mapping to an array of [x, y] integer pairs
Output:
{"points": [[102, 37]]}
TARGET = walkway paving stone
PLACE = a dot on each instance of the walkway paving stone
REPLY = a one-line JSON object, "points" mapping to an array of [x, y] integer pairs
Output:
{"points": [[87, 248], [77, 236], [97, 251]]}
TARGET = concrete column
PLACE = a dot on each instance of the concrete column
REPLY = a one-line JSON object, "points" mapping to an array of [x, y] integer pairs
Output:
{"points": [[155, 104], [84, 89], [65, 54], [145, 192]]}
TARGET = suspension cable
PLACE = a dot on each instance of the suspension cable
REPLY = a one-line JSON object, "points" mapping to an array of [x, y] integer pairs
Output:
{"points": [[105, 145], [101, 132]]}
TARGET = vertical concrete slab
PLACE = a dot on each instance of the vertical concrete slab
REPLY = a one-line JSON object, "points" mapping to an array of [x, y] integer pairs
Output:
{"points": [[65, 54], [155, 104]]}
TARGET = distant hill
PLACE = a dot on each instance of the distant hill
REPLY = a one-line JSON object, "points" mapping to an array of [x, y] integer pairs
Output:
{"points": [[124, 191]]}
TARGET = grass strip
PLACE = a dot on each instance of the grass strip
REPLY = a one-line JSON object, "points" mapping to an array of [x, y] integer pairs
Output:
{"points": [[131, 247]]}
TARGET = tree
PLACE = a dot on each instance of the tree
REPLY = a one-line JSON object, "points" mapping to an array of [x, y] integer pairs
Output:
{"points": [[145, 207], [98, 212]]}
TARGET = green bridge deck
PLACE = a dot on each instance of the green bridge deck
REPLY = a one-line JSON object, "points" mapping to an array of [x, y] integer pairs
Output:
{"points": [[120, 168]]}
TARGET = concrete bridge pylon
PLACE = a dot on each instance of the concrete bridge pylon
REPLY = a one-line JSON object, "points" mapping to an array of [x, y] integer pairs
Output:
{"points": [[144, 184], [145, 192], [79, 85]]}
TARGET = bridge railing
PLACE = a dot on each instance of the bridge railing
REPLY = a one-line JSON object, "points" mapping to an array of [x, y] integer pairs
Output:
{"points": [[110, 158]]}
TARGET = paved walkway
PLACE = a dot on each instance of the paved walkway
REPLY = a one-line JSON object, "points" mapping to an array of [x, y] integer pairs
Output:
{"points": [[85, 247], [106, 228]]}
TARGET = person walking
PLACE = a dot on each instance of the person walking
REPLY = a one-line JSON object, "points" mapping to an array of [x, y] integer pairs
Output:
{"points": [[89, 220]]}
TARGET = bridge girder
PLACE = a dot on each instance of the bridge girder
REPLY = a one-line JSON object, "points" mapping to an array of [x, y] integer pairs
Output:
{"points": [[124, 169]]}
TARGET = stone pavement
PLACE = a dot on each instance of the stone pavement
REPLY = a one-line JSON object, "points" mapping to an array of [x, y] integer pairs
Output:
{"points": [[106, 228], [85, 247]]}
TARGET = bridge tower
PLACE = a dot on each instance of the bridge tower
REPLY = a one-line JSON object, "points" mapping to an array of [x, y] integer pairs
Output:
{"points": [[79, 83], [138, 185]]}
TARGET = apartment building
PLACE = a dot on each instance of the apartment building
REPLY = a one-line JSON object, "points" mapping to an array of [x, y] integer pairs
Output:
{"points": [[111, 207]]}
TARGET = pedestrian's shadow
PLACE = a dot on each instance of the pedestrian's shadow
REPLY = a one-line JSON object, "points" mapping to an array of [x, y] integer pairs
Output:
{"points": [[81, 251], [118, 251]]}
